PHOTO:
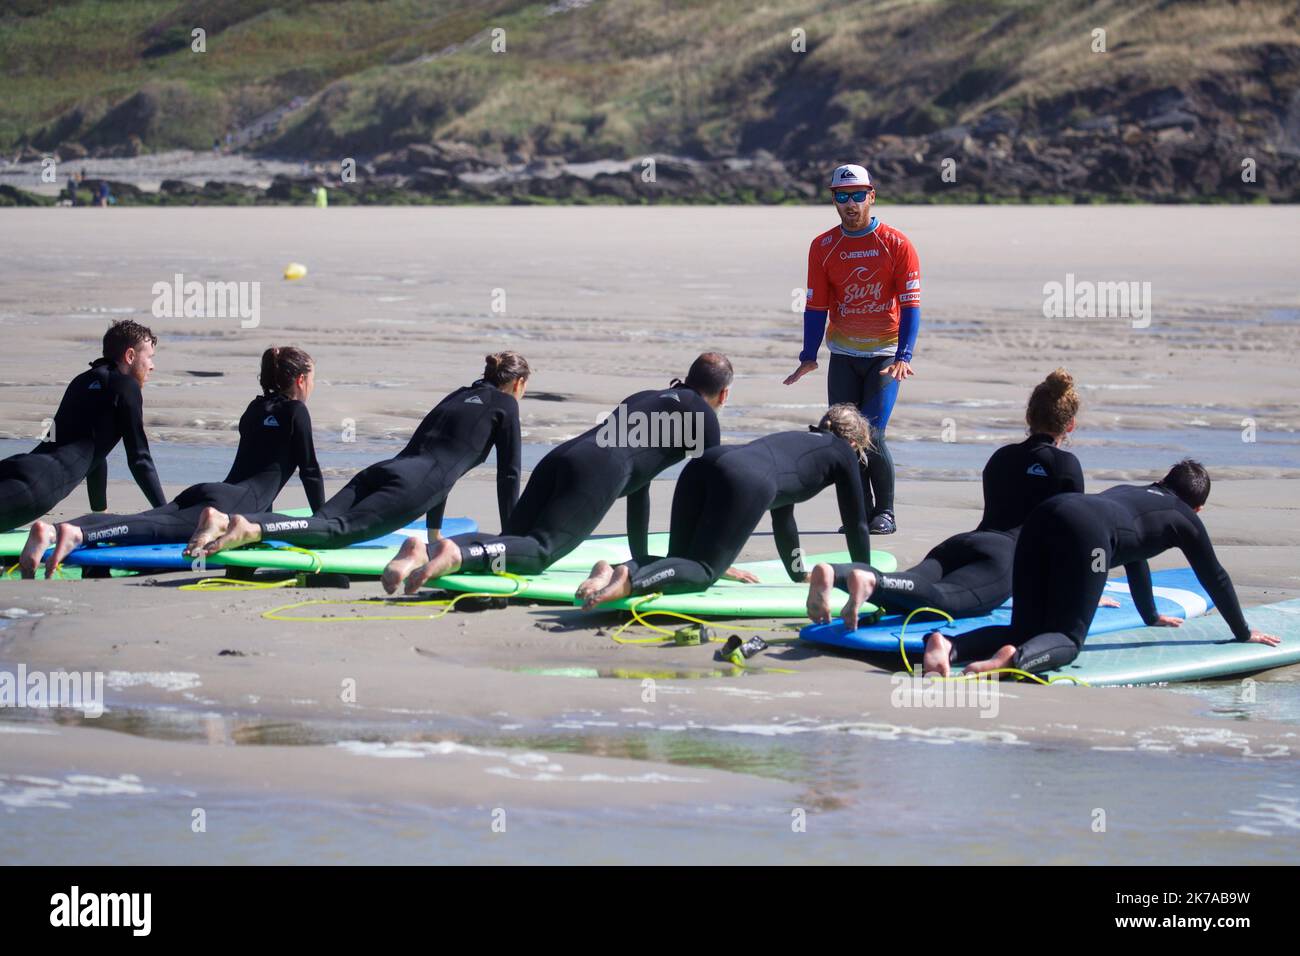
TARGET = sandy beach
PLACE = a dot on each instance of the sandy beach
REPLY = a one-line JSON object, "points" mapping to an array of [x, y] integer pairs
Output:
{"points": [[534, 708]]}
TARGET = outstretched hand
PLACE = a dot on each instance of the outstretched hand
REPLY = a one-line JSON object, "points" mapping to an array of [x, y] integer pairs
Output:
{"points": [[803, 369], [737, 574], [1164, 620], [898, 370]]}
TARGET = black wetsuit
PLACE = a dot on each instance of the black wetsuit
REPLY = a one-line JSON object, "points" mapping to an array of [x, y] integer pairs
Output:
{"points": [[1065, 549], [274, 439], [100, 407], [576, 484], [969, 574], [720, 499], [453, 438]]}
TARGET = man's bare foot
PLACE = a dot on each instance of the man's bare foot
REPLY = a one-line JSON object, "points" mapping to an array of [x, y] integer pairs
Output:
{"points": [[212, 523], [39, 540], [240, 531], [68, 537], [444, 558], [820, 583], [601, 572], [937, 651], [619, 586], [1001, 659], [861, 586]]}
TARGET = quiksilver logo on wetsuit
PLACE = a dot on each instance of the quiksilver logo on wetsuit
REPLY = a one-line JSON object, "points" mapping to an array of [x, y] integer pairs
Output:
{"points": [[270, 422], [473, 400], [897, 584], [297, 525], [95, 385], [106, 533], [656, 578], [1036, 469]]}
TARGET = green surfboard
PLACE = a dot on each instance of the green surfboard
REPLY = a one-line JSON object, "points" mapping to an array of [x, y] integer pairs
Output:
{"points": [[361, 560], [774, 596]]}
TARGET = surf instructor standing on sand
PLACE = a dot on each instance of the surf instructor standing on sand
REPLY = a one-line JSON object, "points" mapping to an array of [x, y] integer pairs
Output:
{"points": [[865, 278]]}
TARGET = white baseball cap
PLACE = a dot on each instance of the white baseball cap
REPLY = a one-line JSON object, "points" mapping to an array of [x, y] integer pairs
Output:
{"points": [[850, 175]]}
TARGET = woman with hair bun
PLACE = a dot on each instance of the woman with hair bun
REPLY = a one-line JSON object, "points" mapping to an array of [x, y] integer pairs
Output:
{"points": [[274, 441], [453, 438], [969, 574]]}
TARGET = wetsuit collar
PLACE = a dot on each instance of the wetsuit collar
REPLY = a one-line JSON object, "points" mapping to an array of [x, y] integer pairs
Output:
{"points": [[102, 360], [1042, 438], [871, 227]]}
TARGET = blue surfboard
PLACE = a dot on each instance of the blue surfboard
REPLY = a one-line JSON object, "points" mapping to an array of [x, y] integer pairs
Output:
{"points": [[168, 557], [1177, 593]]}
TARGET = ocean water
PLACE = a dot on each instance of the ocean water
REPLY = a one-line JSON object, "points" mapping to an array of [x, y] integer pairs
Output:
{"points": [[917, 455], [867, 795]]}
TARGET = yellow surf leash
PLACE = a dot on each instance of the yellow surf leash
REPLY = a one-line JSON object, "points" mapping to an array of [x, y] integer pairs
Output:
{"points": [[445, 606], [902, 650]]}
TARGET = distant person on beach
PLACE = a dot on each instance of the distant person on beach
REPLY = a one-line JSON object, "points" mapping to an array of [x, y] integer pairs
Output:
{"points": [[722, 496], [578, 482], [104, 195], [969, 574], [453, 438], [100, 407], [1066, 548], [865, 278], [274, 441]]}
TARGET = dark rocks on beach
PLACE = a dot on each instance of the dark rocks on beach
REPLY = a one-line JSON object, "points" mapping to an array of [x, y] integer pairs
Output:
{"points": [[1163, 145]]}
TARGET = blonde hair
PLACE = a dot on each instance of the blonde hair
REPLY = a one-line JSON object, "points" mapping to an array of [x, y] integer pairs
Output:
{"points": [[846, 421], [1053, 404]]}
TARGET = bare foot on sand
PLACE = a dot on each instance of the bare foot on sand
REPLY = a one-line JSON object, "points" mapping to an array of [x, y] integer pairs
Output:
{"points": [[619, 586], [39, 540], [601, 572], [68, 537], [937, 651], [240, 532], [820, 583], [212, 524], [1001, 659], [861, 586]]}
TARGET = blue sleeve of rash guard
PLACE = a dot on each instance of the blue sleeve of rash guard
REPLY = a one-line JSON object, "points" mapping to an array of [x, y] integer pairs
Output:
{"points": [[909, 322], [814, 327]]}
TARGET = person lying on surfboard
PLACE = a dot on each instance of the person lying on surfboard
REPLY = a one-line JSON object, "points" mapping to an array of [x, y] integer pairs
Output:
{"points": [[577, 483], [274, 441], [100, 407], [454, 437], [722, 496], [1067, 546], [969, 574]]}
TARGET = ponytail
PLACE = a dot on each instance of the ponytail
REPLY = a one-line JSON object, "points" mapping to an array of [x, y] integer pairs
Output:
{"points": [[281, 367]]}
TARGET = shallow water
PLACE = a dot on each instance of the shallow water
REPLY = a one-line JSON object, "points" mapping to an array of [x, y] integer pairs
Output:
{"points": [[868, 796], [917, 455]]}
